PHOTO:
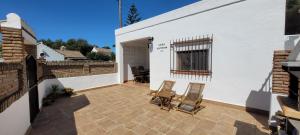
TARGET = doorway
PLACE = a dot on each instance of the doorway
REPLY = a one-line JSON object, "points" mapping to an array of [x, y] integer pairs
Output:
{"points": [[136, 60], [31, 68]]}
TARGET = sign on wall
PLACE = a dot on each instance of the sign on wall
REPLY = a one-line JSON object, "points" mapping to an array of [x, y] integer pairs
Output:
{"points": [[161, 47]]}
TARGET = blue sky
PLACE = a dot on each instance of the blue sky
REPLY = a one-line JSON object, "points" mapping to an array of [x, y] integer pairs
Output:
{"points": [[93, 20]]}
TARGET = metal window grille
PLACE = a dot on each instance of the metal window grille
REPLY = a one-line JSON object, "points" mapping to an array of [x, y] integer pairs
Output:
{"points": [[192, 56]]}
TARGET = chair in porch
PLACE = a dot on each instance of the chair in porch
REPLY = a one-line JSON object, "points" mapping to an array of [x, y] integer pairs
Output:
{"points": [[136, 74], [190, 101]]}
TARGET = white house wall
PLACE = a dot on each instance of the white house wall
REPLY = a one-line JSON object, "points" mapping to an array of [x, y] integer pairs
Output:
{"points": [[15, 120], [94, 50], [245, 35], [50, 54], [77, 83]]}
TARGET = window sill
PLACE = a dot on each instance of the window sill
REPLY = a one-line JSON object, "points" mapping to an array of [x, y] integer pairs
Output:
{"points": [[192, 72]]}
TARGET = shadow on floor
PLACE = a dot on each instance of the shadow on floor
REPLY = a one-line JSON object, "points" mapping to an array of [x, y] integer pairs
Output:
{"points": [[244, 128], [58, 118], [260, 98]]}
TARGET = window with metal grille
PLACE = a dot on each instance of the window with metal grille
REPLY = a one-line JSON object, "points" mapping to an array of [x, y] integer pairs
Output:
{"points": [[192, 60], [192, 56]]}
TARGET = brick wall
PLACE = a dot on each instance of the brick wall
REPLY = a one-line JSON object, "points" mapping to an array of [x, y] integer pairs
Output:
{"points": [[13, 78], [281, 78], [12, 83], [12, 44], [64, 69]]}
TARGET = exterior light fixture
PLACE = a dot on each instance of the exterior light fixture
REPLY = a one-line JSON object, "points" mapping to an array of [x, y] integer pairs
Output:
{"points": [[150, 42]]}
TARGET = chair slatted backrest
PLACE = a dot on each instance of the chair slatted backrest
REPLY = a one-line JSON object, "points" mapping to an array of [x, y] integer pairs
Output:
{"points": [[194, 91], [135, 71], [141, 68], [167, 85]]}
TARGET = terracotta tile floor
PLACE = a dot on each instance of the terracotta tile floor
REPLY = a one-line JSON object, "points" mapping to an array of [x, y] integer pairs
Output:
{"points": [[125, 110]]}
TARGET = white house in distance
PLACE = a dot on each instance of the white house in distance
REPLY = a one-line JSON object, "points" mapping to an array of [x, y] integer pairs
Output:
{"points": [[226, 44], [58, 55], [49, 53], [102, 50]]}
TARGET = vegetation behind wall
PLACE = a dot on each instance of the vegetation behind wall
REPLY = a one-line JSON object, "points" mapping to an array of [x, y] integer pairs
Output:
{"points": [[292, 17], [81, 45]]}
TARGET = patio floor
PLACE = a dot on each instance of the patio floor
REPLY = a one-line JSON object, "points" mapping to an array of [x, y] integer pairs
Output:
{"points": [[125, 110]]}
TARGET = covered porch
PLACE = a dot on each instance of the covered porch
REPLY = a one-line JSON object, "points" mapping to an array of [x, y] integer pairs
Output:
{"points": [[136, 60]]}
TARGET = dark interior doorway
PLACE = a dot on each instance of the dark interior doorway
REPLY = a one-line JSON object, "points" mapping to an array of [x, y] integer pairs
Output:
{"points": [[31, 69], [292, 20]]}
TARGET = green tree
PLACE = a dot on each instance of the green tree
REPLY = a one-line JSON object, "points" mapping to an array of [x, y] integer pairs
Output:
{"points": [[47, 42], [71, 44], [81, 45], [292, 20], [58, 43], [292, 3], [86, 49], [133, 15], [113, 56]]}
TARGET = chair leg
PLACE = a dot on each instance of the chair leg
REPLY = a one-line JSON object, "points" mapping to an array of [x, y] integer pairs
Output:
{"points": [[177, 107], [152, 99]]}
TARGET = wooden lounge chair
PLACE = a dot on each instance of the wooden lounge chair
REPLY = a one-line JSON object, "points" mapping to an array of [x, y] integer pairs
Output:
{"points": [[191, 99], [166, 85]]}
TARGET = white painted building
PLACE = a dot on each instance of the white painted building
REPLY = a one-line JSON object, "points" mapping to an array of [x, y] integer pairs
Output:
{"points": [[49, 53], [102, 50], [245, 35]]}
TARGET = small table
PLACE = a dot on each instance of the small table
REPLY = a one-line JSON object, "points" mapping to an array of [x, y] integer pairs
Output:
{"points": [[166, 97]]}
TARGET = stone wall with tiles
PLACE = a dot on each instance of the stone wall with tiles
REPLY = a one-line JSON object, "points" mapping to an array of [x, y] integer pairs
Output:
{"points": [[12, 44], [281, 78], [62, 69], [12, 83]]}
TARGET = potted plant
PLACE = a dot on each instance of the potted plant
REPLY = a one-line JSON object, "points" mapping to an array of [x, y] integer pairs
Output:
{"points": [[68, 91]]}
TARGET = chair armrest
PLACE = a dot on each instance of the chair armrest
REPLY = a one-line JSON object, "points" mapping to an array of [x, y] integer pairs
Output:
{"points": [[199, 100]]}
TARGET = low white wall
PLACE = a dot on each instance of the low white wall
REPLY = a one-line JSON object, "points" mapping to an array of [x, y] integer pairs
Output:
{"points": [[15, 120], [77, 83]]}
